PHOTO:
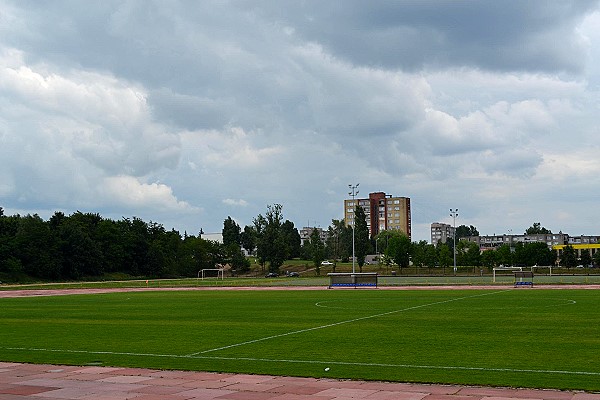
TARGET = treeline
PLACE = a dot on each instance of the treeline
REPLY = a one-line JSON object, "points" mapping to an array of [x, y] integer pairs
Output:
{"points": [[469, 254], [519, 254], [88, 245]]}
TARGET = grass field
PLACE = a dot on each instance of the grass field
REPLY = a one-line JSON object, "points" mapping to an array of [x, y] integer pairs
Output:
{"points": [[522, 338]]}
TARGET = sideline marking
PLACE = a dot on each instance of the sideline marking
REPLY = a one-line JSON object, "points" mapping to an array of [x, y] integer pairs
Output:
{"points": [[442, 367], [344, 322]]}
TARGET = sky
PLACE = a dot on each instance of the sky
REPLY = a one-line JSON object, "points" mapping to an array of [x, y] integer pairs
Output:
{"points": [[184, 112]]}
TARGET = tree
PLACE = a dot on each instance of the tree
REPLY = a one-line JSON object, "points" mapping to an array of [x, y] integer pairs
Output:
{"points": [[468, 253], [585, 259], [189, 260], [596, 258], [418, 251], [260, 224], [231, 232], [466, 231], [399, 249], [423, 254], [488, 258], [236, 259], [248, 239], [332, 243], [80, 253], [537, 253], [361, 236], [85, 244], [504, 255], [111, 240], [431, 256], [10, 262], [444, 255], [536, 229], [137, 244], [292, 240], [318, 250], [36, 248], [339, 241], [569, 257], [518, 256], [270, 242]]}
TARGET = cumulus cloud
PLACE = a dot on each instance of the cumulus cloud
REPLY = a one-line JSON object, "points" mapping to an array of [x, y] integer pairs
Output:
{"points": [[65, 132], [238, 203], [240, 105], [133, 193]]}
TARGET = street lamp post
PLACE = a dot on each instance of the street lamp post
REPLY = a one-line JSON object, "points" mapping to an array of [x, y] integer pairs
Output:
{"points": [[353, 192], [454, 214]]}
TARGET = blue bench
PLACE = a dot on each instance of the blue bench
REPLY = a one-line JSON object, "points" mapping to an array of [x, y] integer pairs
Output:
{"points": [[365, 279]]}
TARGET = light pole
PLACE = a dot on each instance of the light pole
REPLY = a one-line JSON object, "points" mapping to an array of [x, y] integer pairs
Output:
{"points": [[510, 247], [353, 192], [454, 214]]}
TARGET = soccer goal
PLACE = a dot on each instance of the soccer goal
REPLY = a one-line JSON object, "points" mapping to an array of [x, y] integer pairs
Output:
{"points": [[218, 273], [505, 272]]}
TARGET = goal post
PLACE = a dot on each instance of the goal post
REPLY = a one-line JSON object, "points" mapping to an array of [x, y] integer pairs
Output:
{"points": [[510, 270], [218, 273]]}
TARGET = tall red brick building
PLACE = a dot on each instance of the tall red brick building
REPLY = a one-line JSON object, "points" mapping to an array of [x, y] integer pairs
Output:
{"points": [[383, 211]]}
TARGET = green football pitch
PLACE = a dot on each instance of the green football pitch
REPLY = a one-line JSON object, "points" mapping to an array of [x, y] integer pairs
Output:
{"points": [[506, 337]]}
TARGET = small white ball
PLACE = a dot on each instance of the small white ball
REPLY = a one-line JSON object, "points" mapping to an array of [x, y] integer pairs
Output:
{"points": [[327, 369]]}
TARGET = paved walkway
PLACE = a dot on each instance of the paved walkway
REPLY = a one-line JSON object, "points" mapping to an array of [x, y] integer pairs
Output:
{"points": [[28, 381]]}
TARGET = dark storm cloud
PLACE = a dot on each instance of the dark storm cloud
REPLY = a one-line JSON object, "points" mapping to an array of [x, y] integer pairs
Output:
{"points": [[533, 35]]}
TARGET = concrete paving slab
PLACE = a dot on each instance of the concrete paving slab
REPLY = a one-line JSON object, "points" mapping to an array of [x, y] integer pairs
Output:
{"points": [[28, 382]]}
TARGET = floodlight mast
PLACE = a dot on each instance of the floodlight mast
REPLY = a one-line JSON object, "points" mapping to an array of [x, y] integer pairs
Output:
{"points": [[454, 214], [353, 192]]}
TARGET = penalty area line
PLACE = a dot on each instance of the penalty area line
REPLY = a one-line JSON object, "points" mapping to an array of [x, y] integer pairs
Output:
{"points": [[316, 362]]}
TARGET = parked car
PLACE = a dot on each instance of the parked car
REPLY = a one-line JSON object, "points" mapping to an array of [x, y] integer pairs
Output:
{"points": [[326, 263], [271, 275], [293, 274]]}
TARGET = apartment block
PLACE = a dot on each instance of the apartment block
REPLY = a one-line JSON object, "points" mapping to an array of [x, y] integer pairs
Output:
{"points": [[383, 212], [306, 231], [494, 241], [441, 232]]}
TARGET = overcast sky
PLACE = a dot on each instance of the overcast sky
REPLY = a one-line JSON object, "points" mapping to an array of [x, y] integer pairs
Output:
{"points": [[187, 112]]}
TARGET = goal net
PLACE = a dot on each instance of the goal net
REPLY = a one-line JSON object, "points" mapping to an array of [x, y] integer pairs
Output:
{"points": [[218, 273]]}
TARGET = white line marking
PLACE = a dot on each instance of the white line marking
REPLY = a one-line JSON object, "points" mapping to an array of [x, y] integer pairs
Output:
{"points": [[383, 365], [342, 322]]}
